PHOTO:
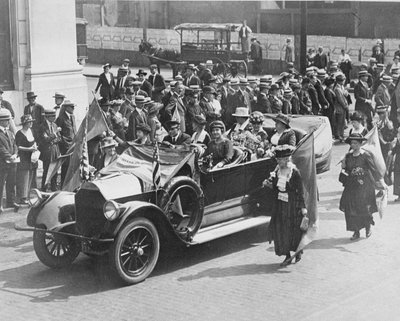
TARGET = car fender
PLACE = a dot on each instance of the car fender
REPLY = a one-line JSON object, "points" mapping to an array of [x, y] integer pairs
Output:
{"points": [[56, 210], [133, 209]]}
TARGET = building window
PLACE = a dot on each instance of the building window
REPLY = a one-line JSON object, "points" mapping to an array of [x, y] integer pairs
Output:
{"points": [[6, 76]]}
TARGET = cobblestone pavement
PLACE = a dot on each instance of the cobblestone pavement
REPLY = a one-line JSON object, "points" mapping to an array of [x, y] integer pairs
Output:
{"points": [[235, 278]]}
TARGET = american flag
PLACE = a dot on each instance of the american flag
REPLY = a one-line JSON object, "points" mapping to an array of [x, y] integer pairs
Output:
{"points": [[156, 167], [84, 163]]}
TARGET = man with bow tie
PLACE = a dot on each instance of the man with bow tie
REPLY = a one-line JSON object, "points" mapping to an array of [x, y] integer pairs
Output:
{"points": [[36, 111], [8, 159]]}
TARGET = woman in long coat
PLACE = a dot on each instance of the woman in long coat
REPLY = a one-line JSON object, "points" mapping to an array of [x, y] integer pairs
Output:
{"points": [[289, 207], [358, 200]]}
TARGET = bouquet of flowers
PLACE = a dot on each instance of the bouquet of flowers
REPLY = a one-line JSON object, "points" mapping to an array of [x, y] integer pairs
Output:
{"points": [[358, 173]]}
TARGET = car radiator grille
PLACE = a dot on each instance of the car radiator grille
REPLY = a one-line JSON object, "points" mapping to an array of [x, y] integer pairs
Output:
{"points": [[90, 220]]}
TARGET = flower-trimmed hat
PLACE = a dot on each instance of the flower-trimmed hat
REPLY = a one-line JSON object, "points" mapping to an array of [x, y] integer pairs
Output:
{"points": [[355, 136], [356, 116], [26, 119], [282, 151], [256, 117]]}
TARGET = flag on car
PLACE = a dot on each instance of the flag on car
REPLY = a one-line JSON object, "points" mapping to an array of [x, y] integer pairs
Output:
{"points": [[84, 164], [156, 167], [96, 125]]}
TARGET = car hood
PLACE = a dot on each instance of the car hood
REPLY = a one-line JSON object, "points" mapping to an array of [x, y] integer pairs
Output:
{"points": [[115, 186]]}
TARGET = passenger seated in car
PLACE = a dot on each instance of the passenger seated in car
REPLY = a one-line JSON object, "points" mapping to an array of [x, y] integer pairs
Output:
{"points": [[108, 153], [143, 134], [175, 138], [261, 144], [283, 134], [220, 149]]}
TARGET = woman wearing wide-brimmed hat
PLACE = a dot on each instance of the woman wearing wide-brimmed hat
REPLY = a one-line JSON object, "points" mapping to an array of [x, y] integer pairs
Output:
{"points": [[26, 168], [358, 200], [219, 148], [289, 207], [283, 134], [357, 121], [108, 153], [237, 133], [106, 83]]}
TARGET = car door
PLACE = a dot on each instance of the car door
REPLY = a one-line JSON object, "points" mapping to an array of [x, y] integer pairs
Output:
{"points": [[224, 190]]}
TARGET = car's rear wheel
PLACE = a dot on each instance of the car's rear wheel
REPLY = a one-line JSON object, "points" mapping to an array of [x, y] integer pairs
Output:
{"points": [[55, 250], [135, 251]]}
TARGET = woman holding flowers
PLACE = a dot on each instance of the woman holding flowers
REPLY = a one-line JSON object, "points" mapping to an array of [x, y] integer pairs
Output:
{"points": [[359, 174]]}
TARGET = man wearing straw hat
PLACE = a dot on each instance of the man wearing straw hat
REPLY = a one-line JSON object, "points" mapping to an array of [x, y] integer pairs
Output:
{"points": [[382, 96], [8, 159], [363, 96], [191, 79], [241, 126]]}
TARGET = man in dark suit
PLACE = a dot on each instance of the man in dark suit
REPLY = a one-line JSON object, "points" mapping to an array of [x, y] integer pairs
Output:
{"points": [[175, 138], [122, 76], [157, 82], [36, 110], [317, 83], [58, 100], [320, 59], [382, 96], [8, 159], [191, 79], [49, 137], [236, 98], [66, 121], [176, 105], [256, 55], [145, 85], [138, 116], [315, 104], [363, 96]]}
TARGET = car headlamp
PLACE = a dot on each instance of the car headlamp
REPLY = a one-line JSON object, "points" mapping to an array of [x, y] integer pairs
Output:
{"points": [[111, 210], [35, 197]]}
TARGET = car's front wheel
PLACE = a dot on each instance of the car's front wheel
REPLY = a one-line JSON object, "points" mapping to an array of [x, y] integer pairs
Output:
{"points": [[135, 251], [55, 250]]}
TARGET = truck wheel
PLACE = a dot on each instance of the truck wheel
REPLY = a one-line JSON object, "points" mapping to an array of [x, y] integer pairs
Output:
{"points": [[135, 251], [55, 250]]}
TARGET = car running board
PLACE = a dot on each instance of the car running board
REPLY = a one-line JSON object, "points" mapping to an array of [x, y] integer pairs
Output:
{"points": [[227, 228]]}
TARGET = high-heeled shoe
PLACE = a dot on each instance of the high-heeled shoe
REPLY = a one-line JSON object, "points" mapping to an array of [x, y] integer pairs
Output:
{"points": [[298, 256], [355, 236], [287, 260]]}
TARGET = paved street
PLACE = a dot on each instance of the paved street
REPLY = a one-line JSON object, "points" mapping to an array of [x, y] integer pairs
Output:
{"points": [[235, 278]]}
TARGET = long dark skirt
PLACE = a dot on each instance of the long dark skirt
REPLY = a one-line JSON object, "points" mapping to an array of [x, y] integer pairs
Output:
{"points": [[285, 229], [396, 183], [358, 202]]}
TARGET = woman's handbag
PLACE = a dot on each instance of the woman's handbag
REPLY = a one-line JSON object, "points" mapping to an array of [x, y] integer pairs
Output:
{"points": [[304, 223], [343, 176], [35, 156]]}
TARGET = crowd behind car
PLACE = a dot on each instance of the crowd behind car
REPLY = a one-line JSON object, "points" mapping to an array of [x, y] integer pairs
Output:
{"points": [[222, 116]]}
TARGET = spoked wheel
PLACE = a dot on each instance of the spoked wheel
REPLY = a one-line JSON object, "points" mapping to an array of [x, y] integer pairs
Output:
{"points": [[55, 250], [237, 69], [135, 251]]}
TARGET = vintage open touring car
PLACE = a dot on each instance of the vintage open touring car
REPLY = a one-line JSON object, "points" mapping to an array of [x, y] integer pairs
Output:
{"points": [[121, 213]]}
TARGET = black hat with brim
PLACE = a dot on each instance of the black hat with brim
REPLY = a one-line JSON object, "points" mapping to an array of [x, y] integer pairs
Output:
{"points": [[357, 137]]}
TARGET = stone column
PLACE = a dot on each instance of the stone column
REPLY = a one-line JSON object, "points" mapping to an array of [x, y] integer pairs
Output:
{"points": [[45, 53]]}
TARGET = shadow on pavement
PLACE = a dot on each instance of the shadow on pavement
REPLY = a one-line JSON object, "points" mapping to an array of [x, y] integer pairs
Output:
{"points": [[180, 257], [84, 277], [92, 275], [331, 244], [238, 270]]}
